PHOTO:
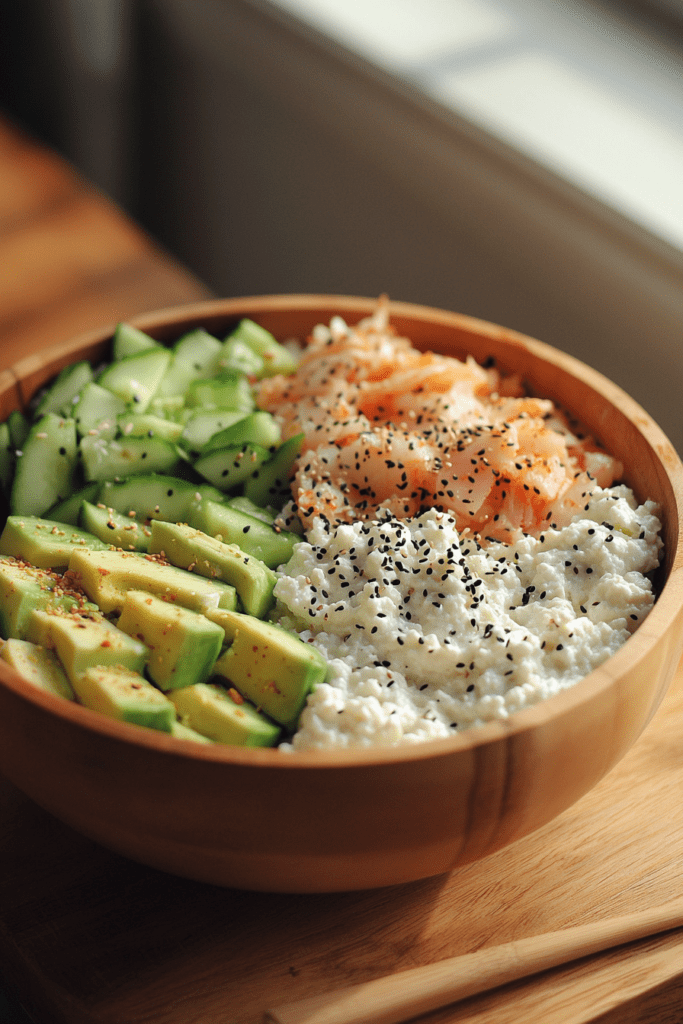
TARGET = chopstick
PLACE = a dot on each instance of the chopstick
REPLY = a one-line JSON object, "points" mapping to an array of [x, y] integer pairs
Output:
{"points": [[400, 997]]}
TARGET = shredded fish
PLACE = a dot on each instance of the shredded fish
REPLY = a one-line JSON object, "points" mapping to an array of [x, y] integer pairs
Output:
{"points": [[388, 427]]}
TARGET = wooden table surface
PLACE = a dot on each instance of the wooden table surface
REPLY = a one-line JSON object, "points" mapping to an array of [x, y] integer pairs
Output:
{"points": [[87, 937]]}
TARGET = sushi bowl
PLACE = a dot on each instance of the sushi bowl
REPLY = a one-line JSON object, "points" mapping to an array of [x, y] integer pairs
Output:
{"points": [[364, 817]]}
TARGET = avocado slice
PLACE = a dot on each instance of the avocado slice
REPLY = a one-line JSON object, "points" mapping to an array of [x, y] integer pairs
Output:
{"points": [[106, 576], [192, 549], [126, 695], [184, 732], [81, 641], [114, 528], [37, 666], [183, 644], [272, 667], [223, 716], [24, 588], [251, 534], [44, 543]]}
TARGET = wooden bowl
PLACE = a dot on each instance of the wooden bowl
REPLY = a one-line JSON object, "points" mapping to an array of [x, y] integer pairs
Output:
{"points": [[323, 822]]}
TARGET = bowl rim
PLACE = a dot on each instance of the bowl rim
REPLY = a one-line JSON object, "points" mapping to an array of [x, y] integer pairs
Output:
{"points": [[636, 649]]}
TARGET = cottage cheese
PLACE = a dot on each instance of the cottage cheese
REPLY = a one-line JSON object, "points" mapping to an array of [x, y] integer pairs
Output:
{"points": [[427, 633]]}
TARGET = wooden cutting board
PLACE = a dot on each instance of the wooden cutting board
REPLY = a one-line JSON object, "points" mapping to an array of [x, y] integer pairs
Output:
{"points": [[87, 937]]}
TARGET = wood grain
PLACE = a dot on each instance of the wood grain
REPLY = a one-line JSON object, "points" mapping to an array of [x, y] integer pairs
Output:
{"points": [[405, 995], [91, 938]]}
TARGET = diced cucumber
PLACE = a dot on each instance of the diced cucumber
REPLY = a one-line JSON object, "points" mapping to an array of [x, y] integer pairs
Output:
{"points": [[151, 497], [193, 356], [44, 471], [269, 483], [200, 349], [229, 390], [7, 458], [146, 424], [226, 468], [202, 494], [59, 397], [132, 456], [276, 358], [171, 407], [69, 510], [250, 534], [123, 531], [176, 380], [201, 426], [97, 410], [129, 341], [136, 379], [19, 427], [236, 355], [250, 508], [258, 427]]}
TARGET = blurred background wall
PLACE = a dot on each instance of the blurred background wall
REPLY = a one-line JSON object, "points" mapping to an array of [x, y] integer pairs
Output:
{"points": [[269, 159]]}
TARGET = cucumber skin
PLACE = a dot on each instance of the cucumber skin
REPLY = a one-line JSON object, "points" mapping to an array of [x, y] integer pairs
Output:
{"points": [[129, 456], [114, 527], [269, 482], [68, 511], [150, 497], [136, 378], [227, 468], [250, 534], [66, 387], [45, 470]]}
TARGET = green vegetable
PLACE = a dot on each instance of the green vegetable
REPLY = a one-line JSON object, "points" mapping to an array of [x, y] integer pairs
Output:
{"points": [[108, 476]]}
